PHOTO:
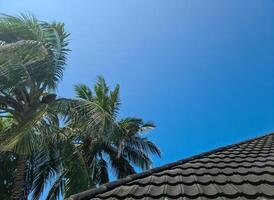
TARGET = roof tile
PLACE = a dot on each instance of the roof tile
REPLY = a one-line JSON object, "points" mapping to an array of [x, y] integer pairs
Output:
{"points": [[242, 171]]}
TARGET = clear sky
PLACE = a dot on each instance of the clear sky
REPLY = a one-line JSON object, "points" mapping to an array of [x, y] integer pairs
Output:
{"points": [[202, 70]]}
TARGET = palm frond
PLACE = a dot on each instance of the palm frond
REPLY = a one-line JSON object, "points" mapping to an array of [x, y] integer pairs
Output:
{"points": [[145, 145], [102, 171], [46, 170], [101, 89], [23, 27], [91, 116], [120, 165], [58, 188], [83, 91], [23, 138], [51, 36], [18, 61], [115, 101], [77, 176], [138, 157]]}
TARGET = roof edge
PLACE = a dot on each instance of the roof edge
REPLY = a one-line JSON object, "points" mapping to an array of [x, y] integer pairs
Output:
{"points": [[86, 195]]}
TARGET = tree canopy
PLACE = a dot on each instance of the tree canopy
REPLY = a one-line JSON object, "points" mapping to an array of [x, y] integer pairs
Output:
{"points": [[69, 144]]}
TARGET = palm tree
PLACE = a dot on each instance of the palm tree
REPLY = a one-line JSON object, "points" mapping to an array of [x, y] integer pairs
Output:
{"points": [[117, 144], [93, 142], [75, 156], [60, 165], [32, 59]]}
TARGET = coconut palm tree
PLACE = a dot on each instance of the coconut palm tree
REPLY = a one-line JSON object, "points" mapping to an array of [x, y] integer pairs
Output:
{"points": [[75, 156], [32, 60], [60, 165], [117, 144], [93, 142]]}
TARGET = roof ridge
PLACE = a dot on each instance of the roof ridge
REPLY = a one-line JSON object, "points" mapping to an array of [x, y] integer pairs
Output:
{"points": [[111, 185]]}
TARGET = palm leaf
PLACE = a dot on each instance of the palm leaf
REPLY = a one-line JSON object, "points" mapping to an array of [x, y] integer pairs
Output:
{"points": [[46, 170], [120, 166], [52, 36], [77, 176], [24, 137], [57, 189], [82, 91]]}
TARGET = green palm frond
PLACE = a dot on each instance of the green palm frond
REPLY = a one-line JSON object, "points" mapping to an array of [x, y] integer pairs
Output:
{"points": [[18, 62], [47, 168], [51, 36], [91, 116], [137, 157], [135, 125], [145, 145], [23, 27], [63, 107], [114, 101], [101, 89], [77, 176], [120, 165], [83, 91], [24, 137]]}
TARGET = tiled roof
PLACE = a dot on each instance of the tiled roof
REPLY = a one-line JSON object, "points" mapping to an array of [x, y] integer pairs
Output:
{"points": [[241, 171]]}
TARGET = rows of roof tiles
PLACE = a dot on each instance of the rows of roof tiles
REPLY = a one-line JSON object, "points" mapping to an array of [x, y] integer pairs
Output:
{"points": [[191, 191], [186, 198], [244, 171]]}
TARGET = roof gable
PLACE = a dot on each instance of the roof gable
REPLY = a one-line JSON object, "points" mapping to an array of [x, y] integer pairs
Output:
{"points": [[240, 171]]}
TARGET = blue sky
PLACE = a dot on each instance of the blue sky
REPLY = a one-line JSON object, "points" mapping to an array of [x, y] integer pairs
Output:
{"points": [[201, 70]]}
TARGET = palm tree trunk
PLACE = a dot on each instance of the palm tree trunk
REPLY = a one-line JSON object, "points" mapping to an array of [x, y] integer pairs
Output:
{"points": [[19, 179]]}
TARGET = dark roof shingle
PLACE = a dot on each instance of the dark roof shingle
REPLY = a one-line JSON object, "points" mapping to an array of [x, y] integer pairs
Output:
{"points": [[240, 171]]}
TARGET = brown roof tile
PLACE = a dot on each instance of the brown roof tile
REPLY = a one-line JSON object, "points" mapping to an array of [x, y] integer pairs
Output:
{"points": [[240, 171]]}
